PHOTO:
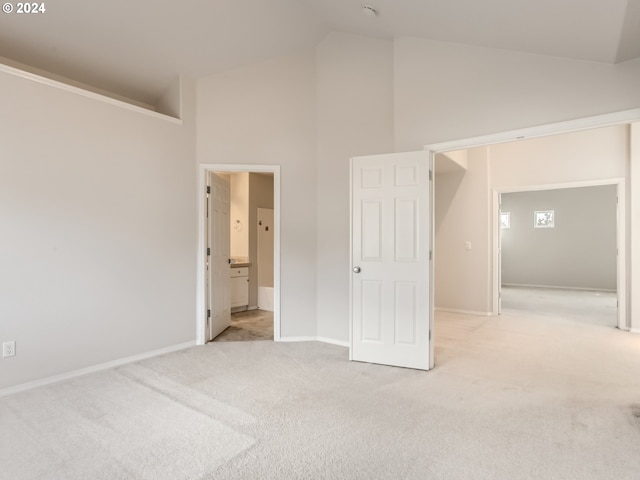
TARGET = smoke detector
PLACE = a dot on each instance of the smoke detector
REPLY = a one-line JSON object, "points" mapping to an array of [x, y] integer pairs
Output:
{"points": [[369, 11]]}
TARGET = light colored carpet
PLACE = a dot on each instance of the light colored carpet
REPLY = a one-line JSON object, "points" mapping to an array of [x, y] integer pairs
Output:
{"points": [[511, 398], [581, 306]]}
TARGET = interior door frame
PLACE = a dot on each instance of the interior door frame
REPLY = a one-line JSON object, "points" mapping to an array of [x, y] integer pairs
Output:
{"points": [[621, 229], [586, 123], [201, 303]]}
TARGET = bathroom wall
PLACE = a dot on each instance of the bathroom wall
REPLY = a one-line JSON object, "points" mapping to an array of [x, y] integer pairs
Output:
{"points": [[239, 215], [260, 196]]}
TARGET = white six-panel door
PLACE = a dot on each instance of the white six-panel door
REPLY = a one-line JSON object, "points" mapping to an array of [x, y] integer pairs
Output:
{"points": [[218, 242], [390, 253]]}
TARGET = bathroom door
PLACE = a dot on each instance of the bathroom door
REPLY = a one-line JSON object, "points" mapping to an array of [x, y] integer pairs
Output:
{"points": [[218, 244], [391, 315]]}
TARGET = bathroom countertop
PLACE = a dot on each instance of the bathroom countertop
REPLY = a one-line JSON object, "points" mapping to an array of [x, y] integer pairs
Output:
{"points": [[240, 264]]}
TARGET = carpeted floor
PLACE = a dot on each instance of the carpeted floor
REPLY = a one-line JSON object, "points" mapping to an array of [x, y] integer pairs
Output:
{"points": [[581, 306], [521, 396], [248, 326]]}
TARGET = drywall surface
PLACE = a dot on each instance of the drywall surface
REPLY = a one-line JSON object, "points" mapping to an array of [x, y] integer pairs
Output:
{"points": [[596, 154], [260, 196], [355, 117], [265, 114], [98, 230], [239, 215], [445, 91], [461, 225], [634, 230], [578, 252]]}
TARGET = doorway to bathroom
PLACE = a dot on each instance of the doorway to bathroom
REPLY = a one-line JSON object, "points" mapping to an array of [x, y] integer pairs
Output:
{"points": [[239, 254], [251, 257]]}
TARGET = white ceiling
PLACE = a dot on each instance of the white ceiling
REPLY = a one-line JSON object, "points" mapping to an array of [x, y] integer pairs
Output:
{"points": [[136, 47]]}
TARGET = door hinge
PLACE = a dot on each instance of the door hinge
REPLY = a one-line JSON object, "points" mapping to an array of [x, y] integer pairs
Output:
{"points": [[208, 189], [430, 174], [430, 255], [429, 335], [208, 252], [208, 313]]}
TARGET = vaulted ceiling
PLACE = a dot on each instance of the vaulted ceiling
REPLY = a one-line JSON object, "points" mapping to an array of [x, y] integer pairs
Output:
{"points": [[135, 48]]}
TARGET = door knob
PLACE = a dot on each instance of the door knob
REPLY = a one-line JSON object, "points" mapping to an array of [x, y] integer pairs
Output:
{"points": [[356, 269]]}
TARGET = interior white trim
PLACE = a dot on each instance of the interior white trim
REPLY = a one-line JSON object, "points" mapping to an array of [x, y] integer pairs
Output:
{"points": [[598, 121], [201, 305], [298, 339], [330, 341], [87, 93], [95, 368], [557, 287], [463, 312]]}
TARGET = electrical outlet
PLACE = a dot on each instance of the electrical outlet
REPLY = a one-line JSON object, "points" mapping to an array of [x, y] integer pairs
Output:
{"points": [[9, 349]]}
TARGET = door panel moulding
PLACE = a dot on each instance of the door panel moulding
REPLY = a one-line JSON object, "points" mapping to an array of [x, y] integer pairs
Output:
{"points": [[201, 309], [626, 321]]}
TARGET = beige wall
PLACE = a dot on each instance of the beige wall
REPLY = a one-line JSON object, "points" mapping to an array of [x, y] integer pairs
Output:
{"points": [[634, 215], [580, 251], [462, 214], [260, 196], [445, 91], [355, 117], [266, 114], [596, 154], [97, 208], [239, 215]]}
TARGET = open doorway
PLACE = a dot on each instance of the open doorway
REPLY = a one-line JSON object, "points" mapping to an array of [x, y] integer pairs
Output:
{"points": [[466, 270], [251, 254], [558, 250], [231, 285]]}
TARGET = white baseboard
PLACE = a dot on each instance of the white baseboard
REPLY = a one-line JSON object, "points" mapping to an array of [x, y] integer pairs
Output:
{"points": [[555, 287], [315, 339], [332, 341], [95, 368], [634, 330], [463, 312], [298, 339]]}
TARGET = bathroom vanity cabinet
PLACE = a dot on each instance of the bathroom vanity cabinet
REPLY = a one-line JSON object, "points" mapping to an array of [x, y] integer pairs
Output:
{"points": [[239, 286]]}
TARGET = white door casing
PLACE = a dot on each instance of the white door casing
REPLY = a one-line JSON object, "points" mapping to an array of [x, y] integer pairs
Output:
{"points": [[218, 243], [390, 259], [499, 240]]}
